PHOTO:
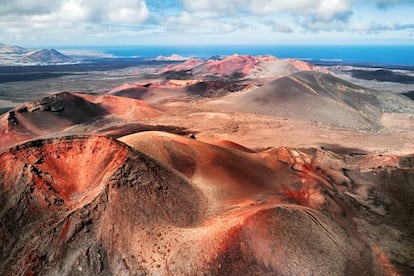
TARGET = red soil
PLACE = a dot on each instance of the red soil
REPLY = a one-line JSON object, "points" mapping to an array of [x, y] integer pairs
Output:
{"points": [[61, 111], [175, 205]]}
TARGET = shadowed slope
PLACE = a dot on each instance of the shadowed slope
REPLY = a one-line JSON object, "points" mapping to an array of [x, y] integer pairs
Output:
{"points": [[278, 193], [214, 78], [64, 203], [225, 174]]}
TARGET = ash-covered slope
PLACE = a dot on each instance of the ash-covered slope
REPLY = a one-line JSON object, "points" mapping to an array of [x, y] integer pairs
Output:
{"points": [[319, 97], [92, 205]]}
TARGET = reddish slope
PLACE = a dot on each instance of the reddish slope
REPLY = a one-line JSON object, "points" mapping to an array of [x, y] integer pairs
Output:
{"points": [[124, 108], [184, 66], [238, 175], [93, 205], [65, 202], [213, 78], [254, 188], [241, 66], [58, 112], [153, 92]]}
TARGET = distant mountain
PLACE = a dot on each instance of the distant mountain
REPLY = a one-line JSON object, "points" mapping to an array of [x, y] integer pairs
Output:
{"points": [[240, 66], [321, 98], [16, 55], [172, 57], [11, 49], [45, 56]]}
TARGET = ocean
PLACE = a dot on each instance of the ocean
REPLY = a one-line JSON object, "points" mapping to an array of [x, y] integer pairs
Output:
{"points": [[370, 55]]}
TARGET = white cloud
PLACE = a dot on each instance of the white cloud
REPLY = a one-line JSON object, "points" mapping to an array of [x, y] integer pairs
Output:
{"points": [[320, 9], [392, 2], [276, 27], [201, 22], [125, 11], [319, 15], [185, 18], [27, 7], [79, 11], [69, 21]]}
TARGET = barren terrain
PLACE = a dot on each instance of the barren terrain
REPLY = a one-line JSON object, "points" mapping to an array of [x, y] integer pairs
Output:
{"points": [[238, 166]]}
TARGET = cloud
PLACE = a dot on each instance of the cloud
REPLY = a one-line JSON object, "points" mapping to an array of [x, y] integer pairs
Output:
{"points": [[310, 14], [384, 4], [89, 11], [185, 18], [324, 10], [27, 7], [201, 22], [379, 28], [276, 27]]}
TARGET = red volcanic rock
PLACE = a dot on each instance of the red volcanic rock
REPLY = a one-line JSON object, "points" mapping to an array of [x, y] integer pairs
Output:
{"points": [[306, 66], [58, 112], [123, 107], [232, 66], [232, 145], [175, 205], [71, 205], [68, 171], [216, 88], [154, 92], [241, 66], [237, 174], [186, 65]]}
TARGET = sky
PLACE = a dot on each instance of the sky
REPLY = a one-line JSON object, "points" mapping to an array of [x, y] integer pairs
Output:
{"points": [[205, 22]]}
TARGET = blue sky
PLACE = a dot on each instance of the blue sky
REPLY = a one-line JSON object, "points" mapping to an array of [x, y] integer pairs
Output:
{"points": [[205, 22]]}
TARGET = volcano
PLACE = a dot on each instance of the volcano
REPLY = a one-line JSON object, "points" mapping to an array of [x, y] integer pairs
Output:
{"points": [[92, 204]]}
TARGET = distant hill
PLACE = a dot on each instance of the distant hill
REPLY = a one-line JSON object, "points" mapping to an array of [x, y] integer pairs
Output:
{"points": [[16, 55], [45, 56], [238, 66], [321, 98], [11, 49], [173, 57]]}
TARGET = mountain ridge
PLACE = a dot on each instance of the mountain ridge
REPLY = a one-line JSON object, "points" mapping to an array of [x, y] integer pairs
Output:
{"points": [[16, 55]]}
